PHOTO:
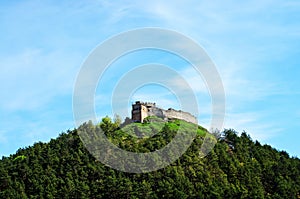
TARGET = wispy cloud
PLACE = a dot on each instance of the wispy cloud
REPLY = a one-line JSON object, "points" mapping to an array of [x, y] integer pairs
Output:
{"points": [[33, 77], [254, 123]]}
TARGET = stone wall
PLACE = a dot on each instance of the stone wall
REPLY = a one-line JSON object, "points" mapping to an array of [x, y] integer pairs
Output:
{"points": [[141, 110], [154, 111], [174, 114]]}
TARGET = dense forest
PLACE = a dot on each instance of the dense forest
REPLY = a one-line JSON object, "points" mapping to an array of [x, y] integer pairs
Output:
{"points": [[237, 167]]}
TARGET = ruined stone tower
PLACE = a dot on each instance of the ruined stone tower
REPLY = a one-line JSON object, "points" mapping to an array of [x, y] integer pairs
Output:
{"points": [[140, 110]]}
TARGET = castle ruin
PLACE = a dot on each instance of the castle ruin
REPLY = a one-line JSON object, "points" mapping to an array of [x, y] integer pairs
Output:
{"points": [[141, 110]]}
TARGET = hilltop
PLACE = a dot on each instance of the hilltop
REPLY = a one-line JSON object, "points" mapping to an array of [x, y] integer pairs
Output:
{"points": [[237, 167]]}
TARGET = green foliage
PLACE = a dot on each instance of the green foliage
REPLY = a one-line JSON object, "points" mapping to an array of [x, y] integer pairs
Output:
{"points": [[237, 167]]}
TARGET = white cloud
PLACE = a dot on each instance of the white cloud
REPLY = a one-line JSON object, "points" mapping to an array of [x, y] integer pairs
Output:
{"points": [[33, 77], [254, 123], [193, 79]]}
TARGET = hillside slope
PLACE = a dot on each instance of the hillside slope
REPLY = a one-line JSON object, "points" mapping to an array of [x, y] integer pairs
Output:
{"points": [[236, 168]]}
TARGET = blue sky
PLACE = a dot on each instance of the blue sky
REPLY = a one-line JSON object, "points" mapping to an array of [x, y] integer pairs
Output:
{"points": [[255, 46]]}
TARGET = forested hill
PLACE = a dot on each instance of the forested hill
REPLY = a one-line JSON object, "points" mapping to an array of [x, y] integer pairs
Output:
{"points": [[236, 168]]}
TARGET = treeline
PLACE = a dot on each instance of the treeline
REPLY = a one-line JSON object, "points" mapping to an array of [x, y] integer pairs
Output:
{"points": [[237, 167]]}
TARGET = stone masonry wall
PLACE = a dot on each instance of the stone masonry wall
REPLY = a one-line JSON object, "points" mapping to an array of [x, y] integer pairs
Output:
{"points": [[141, 110], [174, 114]]}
